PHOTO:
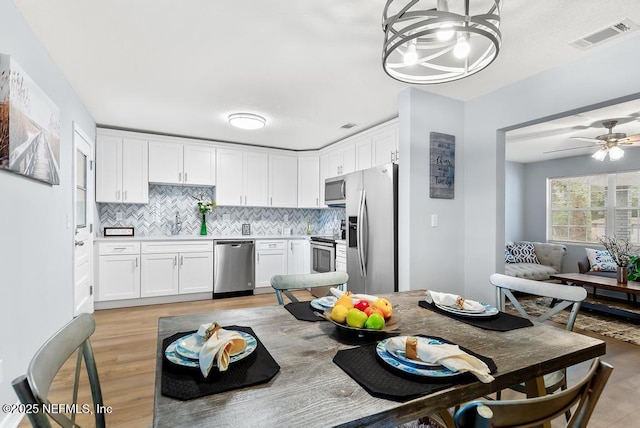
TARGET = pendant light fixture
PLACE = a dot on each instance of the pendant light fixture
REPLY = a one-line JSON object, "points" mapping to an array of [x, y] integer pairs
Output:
{"points": [[437, 41]]}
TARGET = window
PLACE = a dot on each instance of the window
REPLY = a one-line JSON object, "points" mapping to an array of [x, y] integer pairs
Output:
{"points": [[582, 209]]}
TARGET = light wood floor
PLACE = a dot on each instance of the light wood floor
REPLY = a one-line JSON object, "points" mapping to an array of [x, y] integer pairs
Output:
{"points": [[125, 345]]}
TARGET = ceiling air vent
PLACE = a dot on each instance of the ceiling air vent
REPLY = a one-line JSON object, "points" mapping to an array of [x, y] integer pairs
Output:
{"points": [[614, 30], [349, 125]]}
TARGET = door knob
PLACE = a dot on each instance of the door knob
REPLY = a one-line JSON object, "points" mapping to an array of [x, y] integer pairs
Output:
{"points": [[79, 243]]}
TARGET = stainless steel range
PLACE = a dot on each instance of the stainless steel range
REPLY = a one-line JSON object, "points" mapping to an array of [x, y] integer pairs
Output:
{"points": [[323, 254]]}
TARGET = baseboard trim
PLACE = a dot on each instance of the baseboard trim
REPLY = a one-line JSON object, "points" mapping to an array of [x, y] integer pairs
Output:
{"points": [[11, 420]]}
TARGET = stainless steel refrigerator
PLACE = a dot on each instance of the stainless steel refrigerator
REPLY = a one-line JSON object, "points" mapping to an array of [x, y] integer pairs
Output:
{"points": [[372, 234]]}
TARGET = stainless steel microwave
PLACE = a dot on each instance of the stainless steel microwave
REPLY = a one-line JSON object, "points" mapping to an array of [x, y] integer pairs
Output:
{"points": [[335, 191]]}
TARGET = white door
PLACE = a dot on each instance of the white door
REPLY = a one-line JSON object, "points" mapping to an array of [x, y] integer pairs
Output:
{"points": [[83, 223]]}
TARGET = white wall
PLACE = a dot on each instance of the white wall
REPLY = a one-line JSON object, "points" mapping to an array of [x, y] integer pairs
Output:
{"points": [[578, 86], [36, 246], [514, 189], [423, 264]]}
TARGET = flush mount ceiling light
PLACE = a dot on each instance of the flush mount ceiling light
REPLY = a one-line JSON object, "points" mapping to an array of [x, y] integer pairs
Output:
{"points": [[247, 120], [426, 42]]}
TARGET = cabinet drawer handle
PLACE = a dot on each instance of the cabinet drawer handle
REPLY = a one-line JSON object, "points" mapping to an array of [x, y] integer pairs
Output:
{"points": [[117, 195], [179, 177], [271, 198], [317, 203], [245, 199], [182, 257], [240, 199], [175, 260], [258, 258], [185, 177], [124, 195], [136, 262]]}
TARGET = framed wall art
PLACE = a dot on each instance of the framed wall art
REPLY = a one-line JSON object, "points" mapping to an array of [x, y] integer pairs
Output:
{"points": [[29, 126], [442, 156]]}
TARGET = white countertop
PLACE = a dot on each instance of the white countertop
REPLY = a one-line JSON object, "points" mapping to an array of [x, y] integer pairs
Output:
{"points": [[197, 237]]}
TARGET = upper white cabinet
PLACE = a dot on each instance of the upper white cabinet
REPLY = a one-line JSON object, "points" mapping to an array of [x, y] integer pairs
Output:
{"points": [[385, 145], [175, 163], [121, 170], [342, 160], [242, 178], [283, 181], [309, 182], [363, 153], [324, 174]]}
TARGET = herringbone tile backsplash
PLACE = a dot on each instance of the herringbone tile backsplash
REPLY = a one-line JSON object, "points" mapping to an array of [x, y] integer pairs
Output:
{"points": [[157, 217]]}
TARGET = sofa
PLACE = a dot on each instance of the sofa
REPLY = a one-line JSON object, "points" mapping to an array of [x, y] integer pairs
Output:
{"points": [[533, 260]]}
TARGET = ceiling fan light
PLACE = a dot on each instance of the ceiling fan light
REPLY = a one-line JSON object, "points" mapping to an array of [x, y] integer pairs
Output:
{"points": [[410, 56], [462, 48], [247, 120], [615, 153], [600, 154]]}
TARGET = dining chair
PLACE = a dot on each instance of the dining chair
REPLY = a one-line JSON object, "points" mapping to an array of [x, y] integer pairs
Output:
{"points": [[283, 284], [33, 389], [563, 297], [535, 411]]}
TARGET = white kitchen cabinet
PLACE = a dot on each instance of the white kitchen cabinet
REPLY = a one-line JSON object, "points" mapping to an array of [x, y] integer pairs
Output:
{"points": [[159, 275], [283, 181], [121, 170], [324, 174], [298, 257], [309, 182], [363, 153], [271, 259], [170, 267], [242, 178], [118, 271], [341, 257], [385, 145], [187, 164], [342, 160]]}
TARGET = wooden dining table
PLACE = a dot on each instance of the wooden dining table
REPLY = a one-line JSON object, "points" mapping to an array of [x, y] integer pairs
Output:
{"points": [[311, 390]]}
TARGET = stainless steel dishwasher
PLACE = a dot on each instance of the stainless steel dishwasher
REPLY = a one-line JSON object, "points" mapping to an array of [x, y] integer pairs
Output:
{"points": [[233, 268]]}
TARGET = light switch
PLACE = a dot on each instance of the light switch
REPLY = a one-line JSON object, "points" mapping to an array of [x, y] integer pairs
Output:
{"points": [[434, 220]]}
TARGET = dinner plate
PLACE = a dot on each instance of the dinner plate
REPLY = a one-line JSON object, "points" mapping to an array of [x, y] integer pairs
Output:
{"points": [[489, 311], [388, 358], [172, 352], [323, 303]]}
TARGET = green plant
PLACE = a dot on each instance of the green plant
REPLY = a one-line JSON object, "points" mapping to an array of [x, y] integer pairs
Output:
{"points": [[634, 268]]}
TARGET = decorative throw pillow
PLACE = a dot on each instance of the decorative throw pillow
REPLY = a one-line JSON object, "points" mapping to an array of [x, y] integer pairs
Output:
{"points": [[524, 253], [508, 257], [601, 260]]}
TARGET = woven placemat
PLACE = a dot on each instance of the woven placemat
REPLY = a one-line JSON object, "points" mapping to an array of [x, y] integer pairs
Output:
{"points": [[186, 383], [303, 311], [381, 380], [501, 322]]}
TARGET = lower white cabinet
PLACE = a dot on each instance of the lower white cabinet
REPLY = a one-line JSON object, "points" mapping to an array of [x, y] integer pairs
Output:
{"points": [[133, 270], [271, 259], [118, 271], [176, 268], [299, 257], [341, 257]]}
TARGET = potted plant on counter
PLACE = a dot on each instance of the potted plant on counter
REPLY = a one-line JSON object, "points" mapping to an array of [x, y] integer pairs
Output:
{"points": [[205, 205]]}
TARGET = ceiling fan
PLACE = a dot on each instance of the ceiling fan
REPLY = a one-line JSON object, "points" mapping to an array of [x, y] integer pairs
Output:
{"points": [[608, 143]]}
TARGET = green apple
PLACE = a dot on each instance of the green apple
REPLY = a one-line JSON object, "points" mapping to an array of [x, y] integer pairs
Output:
{"points": [[356, 318], [375, 322]]}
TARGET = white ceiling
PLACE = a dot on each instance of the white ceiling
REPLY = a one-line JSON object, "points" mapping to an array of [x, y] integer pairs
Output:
{"points": [[307, 66]]}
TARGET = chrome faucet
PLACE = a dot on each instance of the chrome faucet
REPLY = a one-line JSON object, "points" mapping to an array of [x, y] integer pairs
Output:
{"points": [[177, 225]]}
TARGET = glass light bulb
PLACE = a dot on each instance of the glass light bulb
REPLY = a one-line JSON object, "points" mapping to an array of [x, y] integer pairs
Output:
{"points": [[616, 153], [600, 154], [462, 48], [410, 56], [445, 32]]}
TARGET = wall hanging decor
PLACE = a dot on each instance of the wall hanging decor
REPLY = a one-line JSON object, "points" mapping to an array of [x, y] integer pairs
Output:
{"points": [[29, 126], [442, 152]]}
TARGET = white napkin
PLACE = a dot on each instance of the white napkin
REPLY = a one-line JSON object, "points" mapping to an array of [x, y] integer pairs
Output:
{"points": [[220, 346], [447, 299], [450, 356], [355, 297]]}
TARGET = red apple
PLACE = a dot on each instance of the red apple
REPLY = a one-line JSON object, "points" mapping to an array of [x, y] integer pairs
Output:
{"points": [[361, 305]]}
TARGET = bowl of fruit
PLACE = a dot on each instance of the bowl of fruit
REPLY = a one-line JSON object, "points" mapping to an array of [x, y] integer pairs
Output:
{"points": [[362, 315]]}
